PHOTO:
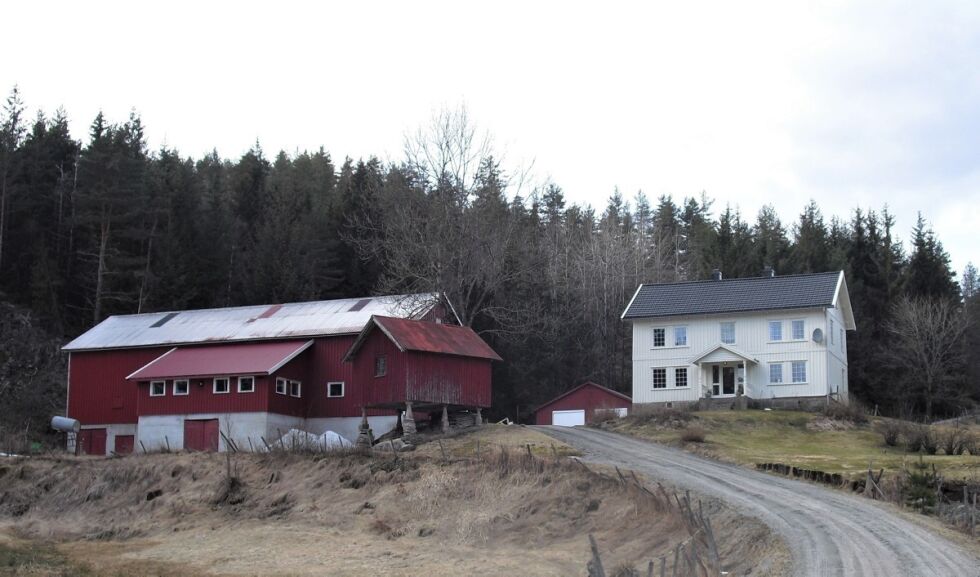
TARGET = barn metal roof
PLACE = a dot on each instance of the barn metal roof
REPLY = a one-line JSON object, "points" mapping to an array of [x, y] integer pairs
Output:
{"points": [[248, 323], [221, 360], [800, 291], [427, 337]]}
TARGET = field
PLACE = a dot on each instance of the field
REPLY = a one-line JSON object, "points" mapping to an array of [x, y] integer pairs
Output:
{"points": [[796, 438], [342, 514]]}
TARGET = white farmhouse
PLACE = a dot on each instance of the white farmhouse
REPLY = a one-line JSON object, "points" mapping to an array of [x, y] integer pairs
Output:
{"points": [[781, 339]]}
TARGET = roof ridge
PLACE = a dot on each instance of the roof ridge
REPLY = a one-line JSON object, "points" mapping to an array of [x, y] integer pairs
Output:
{"points": [[744, 278]]}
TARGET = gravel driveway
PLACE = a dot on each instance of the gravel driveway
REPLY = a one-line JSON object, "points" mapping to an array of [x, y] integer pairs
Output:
{"points": [[830, 533]]}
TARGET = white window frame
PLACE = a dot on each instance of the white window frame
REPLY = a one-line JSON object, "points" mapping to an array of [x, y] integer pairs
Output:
{"points": [[654, 377], [299, 389], [163, 393], [214, 385], [792, 373], [773, 324], [343, 389], [792, 328], [680, 328], [721, 332], [282, 386], [687, 377], [781, 380], [663, 337], [249, 378], [186, 392]]}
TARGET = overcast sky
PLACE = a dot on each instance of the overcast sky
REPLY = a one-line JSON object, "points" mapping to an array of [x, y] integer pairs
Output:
{"points": [[851, 104]]}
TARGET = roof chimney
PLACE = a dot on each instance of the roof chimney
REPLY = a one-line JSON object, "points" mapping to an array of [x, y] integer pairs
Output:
{"points": [[716, 274], [768, 271]]}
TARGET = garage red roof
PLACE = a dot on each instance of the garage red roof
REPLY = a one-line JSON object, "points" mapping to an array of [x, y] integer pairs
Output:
{"points": [[427, 337], [216, 360], [604, 390]]}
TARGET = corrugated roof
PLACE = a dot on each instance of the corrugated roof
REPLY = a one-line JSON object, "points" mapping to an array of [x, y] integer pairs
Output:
{"points": [[221, 360], [427, 337], [734, 295], [333, 317]]}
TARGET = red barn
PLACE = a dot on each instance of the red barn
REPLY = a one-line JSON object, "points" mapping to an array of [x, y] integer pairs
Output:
{"points": [[579, 405], [191, 379]]}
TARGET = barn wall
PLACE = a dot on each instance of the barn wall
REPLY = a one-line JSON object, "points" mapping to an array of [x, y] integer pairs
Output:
{"points": [[201, 398], [588, 398], [369, 389], [448, 379], [328, 366], [99, 392], [299, 369]]}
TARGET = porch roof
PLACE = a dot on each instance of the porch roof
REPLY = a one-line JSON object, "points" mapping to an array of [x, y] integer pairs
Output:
{"points": [[721, 353]]}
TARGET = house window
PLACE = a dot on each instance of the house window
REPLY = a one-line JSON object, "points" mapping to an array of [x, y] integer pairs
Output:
{"points": [[659, 337], [246, 384], [831, 331], [799, 371], [660, 378], [775, 330], [776, 373], [798, 331], [221, 385], [728, 333], [158, 388], [680, 377], [181, 387], [680, 336], [281, 386], [335, 389], [715, 374], [295, 389], [380, 366]]}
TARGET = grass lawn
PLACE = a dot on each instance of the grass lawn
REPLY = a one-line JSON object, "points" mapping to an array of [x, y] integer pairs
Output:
{"points": [[799, 439]]}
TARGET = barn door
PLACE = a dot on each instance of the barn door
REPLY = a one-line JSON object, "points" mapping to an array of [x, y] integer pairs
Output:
{"points": [[201, 434], [92, 441]]}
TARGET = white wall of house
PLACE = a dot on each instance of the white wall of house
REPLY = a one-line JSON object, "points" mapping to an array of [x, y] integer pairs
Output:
{"points": [[824, 361]]}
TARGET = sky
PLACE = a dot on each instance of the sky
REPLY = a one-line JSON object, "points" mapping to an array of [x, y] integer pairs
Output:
{"points": [[851, 104]]}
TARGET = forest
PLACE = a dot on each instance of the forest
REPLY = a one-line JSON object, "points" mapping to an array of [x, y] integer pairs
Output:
{"points": [[98, 224]]}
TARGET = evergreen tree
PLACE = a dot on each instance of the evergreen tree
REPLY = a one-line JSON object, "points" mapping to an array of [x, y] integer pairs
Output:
{"points": [[929, 273]]}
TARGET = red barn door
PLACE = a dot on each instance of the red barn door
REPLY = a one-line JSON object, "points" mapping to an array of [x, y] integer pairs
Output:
{"points": [[201, 434], [92, 441], [124, 444]]}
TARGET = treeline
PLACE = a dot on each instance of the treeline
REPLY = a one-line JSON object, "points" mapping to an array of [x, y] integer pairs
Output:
{"points": [[108, 227]]}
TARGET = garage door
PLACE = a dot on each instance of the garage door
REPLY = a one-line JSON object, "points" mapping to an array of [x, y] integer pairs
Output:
{"points": [[568, 418]]}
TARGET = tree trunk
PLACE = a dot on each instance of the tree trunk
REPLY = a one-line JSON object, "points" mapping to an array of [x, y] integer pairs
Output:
{"points": [[100, 274]]}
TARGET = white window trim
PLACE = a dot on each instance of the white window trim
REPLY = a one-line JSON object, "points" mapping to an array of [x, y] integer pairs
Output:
{"points": [[782, 374], [299, 389], [734, 332], [806, 374], [214, 385], [163, 394], [187, 392], [240, 384], [285, 386], [653, 338], [793, 338], [782, 334], [343, 389], [653, 380], [687, 340], [688, 385]]}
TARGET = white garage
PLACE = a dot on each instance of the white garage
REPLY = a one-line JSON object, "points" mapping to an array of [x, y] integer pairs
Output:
{"points": [[568, 418]]}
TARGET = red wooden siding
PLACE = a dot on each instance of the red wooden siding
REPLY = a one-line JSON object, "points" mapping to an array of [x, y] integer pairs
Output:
{"points": [[91, 441], [99, 393], [589, 397], [201, 434], [297, 369], [201, 398], [373, 390], [447, 379]]}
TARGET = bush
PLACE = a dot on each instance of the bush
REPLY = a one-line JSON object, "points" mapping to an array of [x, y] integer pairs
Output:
{"points": [[658, 415], [920, 438], [950, 439], [693, 434], [853, 412], [602, 416], [891, 432]]}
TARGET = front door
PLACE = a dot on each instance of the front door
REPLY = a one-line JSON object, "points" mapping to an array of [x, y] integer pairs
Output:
{"points": [[728, 380]]}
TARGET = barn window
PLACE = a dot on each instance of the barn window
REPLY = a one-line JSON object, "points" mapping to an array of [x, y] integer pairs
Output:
{"points": [[295, 389], [221, 385], [659, 339], [335, 389], [660, 378], [246, 384], [776, 373], [680, 377], [728, 333], [799, 371], [281, 386], [680, 336], [158, 388], [799, 333], [181, 387], [380, 366], [775, 330]]}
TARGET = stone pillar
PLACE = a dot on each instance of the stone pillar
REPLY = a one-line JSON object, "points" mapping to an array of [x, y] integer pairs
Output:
{"points": [[478, 419], [408, 425], [364, 433], [445, 419]]}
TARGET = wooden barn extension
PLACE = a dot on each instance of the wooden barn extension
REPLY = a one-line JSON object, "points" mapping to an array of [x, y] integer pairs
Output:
{"points": [[579, 405]]}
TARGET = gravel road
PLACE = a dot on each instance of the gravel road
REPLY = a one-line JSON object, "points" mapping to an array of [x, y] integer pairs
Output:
{"points": [[830, 533]]}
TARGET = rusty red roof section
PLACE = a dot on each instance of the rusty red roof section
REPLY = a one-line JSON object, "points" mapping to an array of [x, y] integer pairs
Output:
{"points": [[427, 337], [261, 358]]}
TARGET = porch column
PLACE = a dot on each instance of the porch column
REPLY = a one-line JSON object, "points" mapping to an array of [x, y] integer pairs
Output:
{"points": [[408, 424], [364, 433], [445, 418]]}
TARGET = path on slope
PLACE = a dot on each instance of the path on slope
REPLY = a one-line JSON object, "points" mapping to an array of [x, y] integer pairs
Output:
{"points": [[830, 533]]}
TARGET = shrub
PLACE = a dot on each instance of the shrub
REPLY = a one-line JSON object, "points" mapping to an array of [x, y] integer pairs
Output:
{"points": [[920, 437], [603, 416], [692, 434], [950, 439], [891, 432], [658, 415], [853, 412]]}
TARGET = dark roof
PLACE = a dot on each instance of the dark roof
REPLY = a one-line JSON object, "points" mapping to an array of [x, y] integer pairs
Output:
{"points": [[427, 337], [582, 386], [798, 291]]}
